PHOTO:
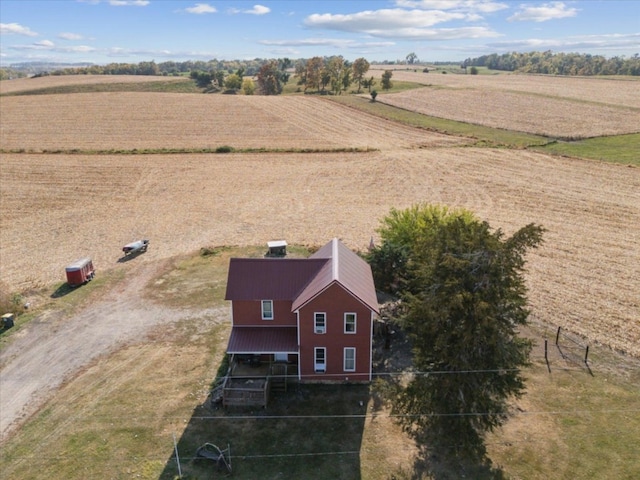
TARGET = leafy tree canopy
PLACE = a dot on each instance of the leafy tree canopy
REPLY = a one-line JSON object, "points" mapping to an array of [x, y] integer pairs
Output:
{"points": [[464, 296]]}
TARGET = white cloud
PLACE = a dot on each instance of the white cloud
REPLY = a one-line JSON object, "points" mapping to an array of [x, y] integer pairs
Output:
{"points": [[16, 29], [256, 10], [386, 19], [573, 43], [201, 8], [324, 42], [401, 24], [542, 13], [45, 44], [70, 36], [119, 3], [78, 49], [129, 3], [483, 6]]}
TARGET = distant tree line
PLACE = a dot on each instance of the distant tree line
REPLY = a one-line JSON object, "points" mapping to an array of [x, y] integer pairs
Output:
{"points": [[250, 67], [11, 73], [557, 63], [332, 74]]}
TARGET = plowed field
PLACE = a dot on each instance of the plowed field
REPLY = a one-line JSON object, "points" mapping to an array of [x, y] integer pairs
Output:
{"points": [[105, 121], [559, 107], [58, 207], [25, 84]]}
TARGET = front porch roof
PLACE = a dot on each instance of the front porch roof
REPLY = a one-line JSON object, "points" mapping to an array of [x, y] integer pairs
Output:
{"points": [[248, 340]]}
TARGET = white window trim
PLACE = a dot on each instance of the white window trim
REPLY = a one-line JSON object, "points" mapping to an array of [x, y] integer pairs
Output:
{"points": [[316, 365], [262, 309], [355, 323], [323, 329], [344, 359]]}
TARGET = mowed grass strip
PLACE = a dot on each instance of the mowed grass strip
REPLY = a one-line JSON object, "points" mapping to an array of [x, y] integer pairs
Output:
{"points": [[614, 149], [486, 135]]}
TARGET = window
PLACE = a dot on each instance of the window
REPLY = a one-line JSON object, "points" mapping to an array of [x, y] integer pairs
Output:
{"points": [[349, 359], [349, 323], [267, 309], [320, 320], [320, 357]]}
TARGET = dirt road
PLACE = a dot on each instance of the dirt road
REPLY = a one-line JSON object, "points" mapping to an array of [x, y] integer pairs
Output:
{"points": [[54, 348]]}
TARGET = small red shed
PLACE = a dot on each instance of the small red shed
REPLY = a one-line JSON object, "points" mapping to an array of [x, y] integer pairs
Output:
{"points": [[80, 272]]}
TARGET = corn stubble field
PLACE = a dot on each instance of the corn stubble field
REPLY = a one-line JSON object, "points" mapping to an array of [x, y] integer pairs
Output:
{"points": [[57, 207]]}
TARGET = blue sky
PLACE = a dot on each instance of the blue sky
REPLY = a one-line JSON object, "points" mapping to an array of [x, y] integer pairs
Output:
{"points": [[104, 31]]}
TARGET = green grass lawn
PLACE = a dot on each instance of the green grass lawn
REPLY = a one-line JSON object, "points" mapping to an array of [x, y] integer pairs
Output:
{"points": [[615, 149]]}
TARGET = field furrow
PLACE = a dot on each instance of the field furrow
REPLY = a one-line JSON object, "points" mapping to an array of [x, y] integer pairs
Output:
{"points": [[552, 117], [126, 121], [585, 277]]}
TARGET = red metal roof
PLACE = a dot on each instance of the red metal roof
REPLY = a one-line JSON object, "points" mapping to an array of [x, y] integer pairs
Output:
{"points": [[263, 340], [301, 279], [347, 269], [270, 278]]}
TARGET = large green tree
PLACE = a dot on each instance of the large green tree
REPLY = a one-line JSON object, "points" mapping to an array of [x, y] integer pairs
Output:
{"points": [[464, 298], [360, 68], [268, 79], [386, 80]]}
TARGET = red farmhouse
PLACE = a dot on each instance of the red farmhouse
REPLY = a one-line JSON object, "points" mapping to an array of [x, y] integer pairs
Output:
{"points": [[316, 314]]}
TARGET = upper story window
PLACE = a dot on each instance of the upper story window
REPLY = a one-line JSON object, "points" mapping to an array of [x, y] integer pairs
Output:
{"points": [[320, 322], [267, 309], [349, 323]]}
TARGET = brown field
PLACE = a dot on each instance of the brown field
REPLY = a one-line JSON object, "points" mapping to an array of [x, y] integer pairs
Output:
{"points": [[613, 91], [106, 121], [25, 84], [539, 115], [586, 277], [559, 107], [59, 207]]}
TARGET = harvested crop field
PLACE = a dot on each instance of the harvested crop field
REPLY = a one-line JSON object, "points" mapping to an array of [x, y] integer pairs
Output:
{"points": [[58, 207], [37, 83], [612, 91], [126, 121], [540, 115], [586, 276]]}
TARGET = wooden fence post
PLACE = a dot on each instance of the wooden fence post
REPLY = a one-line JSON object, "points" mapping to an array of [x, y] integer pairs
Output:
{"points": [[586, 354]]}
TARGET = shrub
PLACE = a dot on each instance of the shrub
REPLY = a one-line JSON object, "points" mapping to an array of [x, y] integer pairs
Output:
{"points": [[224, 149]]}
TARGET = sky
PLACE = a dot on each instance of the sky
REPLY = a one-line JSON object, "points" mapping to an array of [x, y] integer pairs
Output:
{"points": [[132, 31]]}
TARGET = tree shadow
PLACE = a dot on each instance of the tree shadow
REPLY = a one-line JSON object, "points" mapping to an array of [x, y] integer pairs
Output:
{"points": [[434, 461], [439, 462]]}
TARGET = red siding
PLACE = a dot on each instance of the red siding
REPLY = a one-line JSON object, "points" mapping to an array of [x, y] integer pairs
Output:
{"points": [[335, 302], [249, 313]]}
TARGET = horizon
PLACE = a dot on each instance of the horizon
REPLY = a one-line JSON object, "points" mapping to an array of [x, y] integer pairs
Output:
{"points": [[100, 32]]}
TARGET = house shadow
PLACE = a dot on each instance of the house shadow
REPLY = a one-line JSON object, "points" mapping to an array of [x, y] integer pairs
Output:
{"points": [[311, 431]]}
